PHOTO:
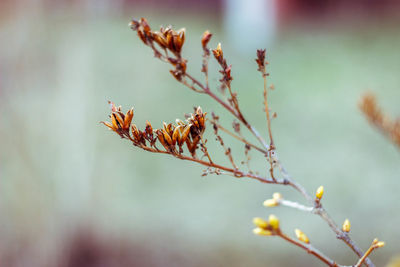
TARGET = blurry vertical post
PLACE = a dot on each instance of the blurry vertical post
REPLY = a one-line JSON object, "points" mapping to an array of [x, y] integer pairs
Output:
{"points": [[250, 24]]}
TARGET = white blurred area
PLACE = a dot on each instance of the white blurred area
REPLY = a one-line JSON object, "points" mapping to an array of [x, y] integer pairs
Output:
{"points": [[250, 24]]}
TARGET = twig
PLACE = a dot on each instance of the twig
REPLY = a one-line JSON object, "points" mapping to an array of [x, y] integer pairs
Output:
{"points": [[309, 249], [375, 244], [241, 139]]}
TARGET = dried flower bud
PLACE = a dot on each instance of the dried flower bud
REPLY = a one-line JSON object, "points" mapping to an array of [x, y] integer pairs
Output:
{"points": [[160, 136], [261, 59], [177, 75], [185, 133], [134, 24], [301, 236], [205, 39], [117, 120], [262, 232], [260, 223], [149, 128], [270, 203], [145, 25], [380, 244], [128, 119], [176, 136], [218, 54], [179, 122], [160, 39], [346, 226], [178, 40], [273, 221], [320, 192], [167, 137]]}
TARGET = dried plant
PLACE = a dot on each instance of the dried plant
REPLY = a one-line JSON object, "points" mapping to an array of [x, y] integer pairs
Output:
{"points": [[184, 139], [388, 126]]}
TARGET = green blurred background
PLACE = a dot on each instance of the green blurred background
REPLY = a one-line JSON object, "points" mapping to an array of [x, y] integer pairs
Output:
{"points": [[74, 194]]}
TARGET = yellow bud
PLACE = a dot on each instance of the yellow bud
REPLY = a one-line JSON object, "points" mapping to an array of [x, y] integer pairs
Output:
{"points": [[320, 192], [346, 226], [301, 236], [380, 244], [270, 203], [260, 223], [259, 231], [273, 221], [277, 196]]}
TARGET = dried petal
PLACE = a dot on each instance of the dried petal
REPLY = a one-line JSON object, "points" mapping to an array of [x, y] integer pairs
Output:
{"points": [[167, 137], [218, 54], [176, 136], [109, 125], [145, 25], [135, 132], [115, 122], [128, 119], [186, 132], [179, 122]]}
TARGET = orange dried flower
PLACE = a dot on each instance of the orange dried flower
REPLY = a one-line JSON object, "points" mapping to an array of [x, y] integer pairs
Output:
{"points": [[205, 39], [120, 122]]}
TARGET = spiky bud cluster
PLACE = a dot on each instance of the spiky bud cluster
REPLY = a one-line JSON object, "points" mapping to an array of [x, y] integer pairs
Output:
{"points": [[226, 70], [167, 39], [261, 60], [120, 122], [171, 136]]}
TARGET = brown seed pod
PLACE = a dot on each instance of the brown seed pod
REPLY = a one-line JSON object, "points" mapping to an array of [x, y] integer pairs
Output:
{"points": [[145, 25], [160, 136], [179, 122], [128, 119], [117, 122], [160, 39], [176, 135], [185, 133], [149, 128], [167, 137], [205, 39]]}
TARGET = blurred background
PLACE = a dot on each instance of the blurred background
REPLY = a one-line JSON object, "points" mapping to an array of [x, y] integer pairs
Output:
{"points": [[74, 194]]}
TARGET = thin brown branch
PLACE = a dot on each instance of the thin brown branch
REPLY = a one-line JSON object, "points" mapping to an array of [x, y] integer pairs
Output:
{"points": [[230, 109], [375, 244], [205, 150], [241, 139], [309, 249], [272, 145]]}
